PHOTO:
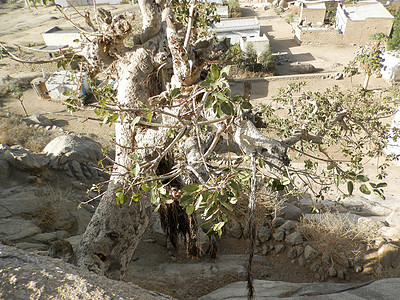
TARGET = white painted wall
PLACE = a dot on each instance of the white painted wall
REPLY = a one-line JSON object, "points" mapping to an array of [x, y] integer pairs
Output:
{"points": [[391, 70]]}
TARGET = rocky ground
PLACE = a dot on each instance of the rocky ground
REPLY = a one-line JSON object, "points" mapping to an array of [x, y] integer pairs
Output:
{"points": [[40, 192]]}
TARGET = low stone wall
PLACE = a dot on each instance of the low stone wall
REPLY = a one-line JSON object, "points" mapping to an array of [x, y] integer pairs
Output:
{"points": [[320, 36]]}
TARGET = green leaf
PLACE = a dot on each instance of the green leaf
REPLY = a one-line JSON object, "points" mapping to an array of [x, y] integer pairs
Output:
{"points": [[175, 92], [149, 117], [226, 205], [190, 188], [214, 71], [246, 105], [350, 187], [227, 108], [381, 185], [121, 197], [364, 189], [218, 226], [135, 170], [162, 190], [171, 133], [146, 187], [135, 121], [135, 198], [190, 209], [362, 178], [97, 111], [222, 97], [225, 71], [209, 101], [205, 83]]}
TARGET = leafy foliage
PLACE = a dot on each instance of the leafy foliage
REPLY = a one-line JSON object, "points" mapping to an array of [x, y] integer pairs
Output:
{"points": [[350, 123], [266, 59], [394, 40], [206, 14], [250, 55], [369, 59]]}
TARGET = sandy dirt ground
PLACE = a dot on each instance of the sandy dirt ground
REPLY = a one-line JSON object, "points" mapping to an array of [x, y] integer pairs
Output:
{"points": [[24, 26]]}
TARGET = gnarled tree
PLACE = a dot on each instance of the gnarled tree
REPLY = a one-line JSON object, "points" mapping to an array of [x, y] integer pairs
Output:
{"points": [[171, 121]]}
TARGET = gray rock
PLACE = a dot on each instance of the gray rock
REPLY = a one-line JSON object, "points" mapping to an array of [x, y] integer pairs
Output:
{"points": [[292, 254], [48, 278], [233, 229], [31, 179], [47, 237], [16, 228], [31, 246], [341, 273], [280, 248], [24, 202], [4, 212], [73, 148], [4, 169], [77, 170], [315, 266], [278, 235], [366, 207], [287, 227], [264, 234], [299, 249], [381, 289], [24, 159], [278, 221], [294, 238], [38, 119], [310, 253], [303, 68], [74, 241], [339, 76], [290, 212], [394, 218], [332, 272], [389, 255], [389, 232], [302, 261]]}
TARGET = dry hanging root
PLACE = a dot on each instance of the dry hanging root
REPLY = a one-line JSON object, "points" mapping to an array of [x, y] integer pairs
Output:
{"points": [[252, 228]]}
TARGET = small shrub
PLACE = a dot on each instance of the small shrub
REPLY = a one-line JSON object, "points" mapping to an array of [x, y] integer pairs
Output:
{"points": [[338, 236], [289, 19], [266, 59], [59, 204]]}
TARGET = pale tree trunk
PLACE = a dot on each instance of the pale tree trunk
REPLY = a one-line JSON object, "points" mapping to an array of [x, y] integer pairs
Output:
{"points": [[366, 81], [115, 230]]}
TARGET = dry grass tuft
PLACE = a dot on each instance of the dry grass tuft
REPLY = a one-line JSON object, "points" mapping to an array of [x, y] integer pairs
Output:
{"points": [[338, 236], [14, 131], [59, 204]]}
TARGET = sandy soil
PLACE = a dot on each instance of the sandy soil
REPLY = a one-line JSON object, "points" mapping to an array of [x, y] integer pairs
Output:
{"points": [[24, 26]]}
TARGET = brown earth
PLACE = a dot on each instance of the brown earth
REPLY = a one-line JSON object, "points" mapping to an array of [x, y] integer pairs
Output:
{"points": [[23, 26]]}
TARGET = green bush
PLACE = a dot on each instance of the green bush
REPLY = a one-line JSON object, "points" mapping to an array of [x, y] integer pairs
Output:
{"points": [[266, 59]]}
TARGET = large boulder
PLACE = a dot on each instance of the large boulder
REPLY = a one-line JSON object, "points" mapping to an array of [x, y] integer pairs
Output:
{"points": [[303, 68], [264, 289], [25, 159], [16, 228], [26, 276], [68, 148]]}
